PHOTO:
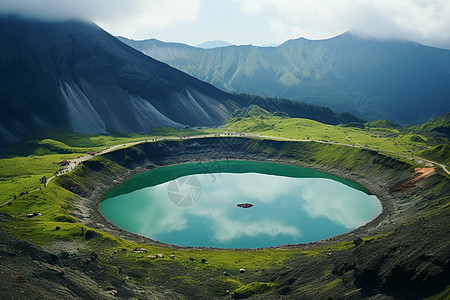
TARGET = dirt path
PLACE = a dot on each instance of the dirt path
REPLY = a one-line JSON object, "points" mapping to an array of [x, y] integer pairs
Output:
{"points": [[74, 163]]}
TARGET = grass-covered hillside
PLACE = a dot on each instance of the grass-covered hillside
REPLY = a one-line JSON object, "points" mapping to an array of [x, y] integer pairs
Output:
{"points": [[86, 257], [22, 165], [437, 126], [379, 135], [70, 231]]}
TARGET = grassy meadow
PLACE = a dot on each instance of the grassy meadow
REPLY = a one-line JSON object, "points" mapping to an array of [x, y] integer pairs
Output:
{"points": [[379, 138], [23, 165]]}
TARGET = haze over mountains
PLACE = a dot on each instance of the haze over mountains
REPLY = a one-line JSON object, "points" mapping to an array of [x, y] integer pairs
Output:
{"points": [[75, 74], [401, 81], [214, 44]]}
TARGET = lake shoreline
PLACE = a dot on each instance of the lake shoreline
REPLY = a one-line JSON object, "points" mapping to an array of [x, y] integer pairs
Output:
{"points": [[274, 189], [88, 212]]}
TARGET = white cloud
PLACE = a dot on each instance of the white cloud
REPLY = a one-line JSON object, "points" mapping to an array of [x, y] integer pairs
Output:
{"points": [[259, 21], [133, 18], [144, 213], [150, 212], [248, 186], [253, 6], [419, 20], [328, 198], [226, 229], [263, 188]]}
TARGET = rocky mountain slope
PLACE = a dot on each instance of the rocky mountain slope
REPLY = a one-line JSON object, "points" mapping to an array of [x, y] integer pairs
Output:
{"points": [[401, 81], [76, 75]]}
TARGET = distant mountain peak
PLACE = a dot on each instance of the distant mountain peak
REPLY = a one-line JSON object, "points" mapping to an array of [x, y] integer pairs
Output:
{"points": [[214, 44], [142, 44], [344, 35]]}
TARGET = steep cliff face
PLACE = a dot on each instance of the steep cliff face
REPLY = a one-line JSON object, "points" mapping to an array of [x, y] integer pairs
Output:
{"points": [[74, 74]]}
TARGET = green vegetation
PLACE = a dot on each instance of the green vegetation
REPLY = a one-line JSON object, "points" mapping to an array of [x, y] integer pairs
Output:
{"points": [[351, 134], [23, 166], [168, 131], [439, 153], [251, 110], [59, 140], [54, 204], [20, 174], [331, 285], [346, 73], [439, 124], [382, 124], [256, 105], [252, 289]]}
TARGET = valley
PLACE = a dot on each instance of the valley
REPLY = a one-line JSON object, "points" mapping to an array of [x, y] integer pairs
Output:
{"points": [[85, 116]]}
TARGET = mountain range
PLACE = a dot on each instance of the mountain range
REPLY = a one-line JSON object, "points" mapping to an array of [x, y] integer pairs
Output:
{"points": [[400, 81], [75, 75]]}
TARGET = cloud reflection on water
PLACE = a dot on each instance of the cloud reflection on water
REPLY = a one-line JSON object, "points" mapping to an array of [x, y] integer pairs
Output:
{"points": [[330, 199], [218, 205], [277, 200]]}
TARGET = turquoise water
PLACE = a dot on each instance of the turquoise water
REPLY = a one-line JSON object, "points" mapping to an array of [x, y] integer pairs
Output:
{"points": [[197, 205]]}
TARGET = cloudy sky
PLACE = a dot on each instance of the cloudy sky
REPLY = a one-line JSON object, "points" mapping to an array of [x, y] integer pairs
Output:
{"points": [[256, 22]]}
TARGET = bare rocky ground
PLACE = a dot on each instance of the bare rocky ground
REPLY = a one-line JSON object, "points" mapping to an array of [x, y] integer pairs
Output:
{"points": [[64, 272]]}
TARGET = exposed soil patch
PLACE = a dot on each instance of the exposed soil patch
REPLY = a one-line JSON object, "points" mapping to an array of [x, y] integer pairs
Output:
{"points": [[424, 172]]}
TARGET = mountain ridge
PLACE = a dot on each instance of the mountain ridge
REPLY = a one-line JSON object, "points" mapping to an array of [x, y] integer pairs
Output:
{"points": [[213, 44], [75, 74], [401, 81]]}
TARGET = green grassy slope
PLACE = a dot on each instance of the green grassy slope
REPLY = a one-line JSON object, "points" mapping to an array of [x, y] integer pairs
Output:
{"points": [[304, 129], [439, 153], [269, 272], [439, 126], [22, 166]]}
